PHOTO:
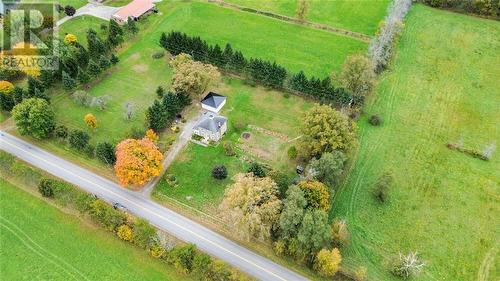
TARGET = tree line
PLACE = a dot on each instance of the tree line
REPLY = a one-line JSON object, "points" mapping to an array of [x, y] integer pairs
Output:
{"points": [[267, 73]]}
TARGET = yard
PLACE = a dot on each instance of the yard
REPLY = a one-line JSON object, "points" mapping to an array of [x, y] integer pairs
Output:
{"points": [[272, 122], [442, 88], [40, 242], [361, 16]]}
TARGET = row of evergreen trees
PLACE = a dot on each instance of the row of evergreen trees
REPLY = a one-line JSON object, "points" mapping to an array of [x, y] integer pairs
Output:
{"points": [[265, 72], [162, 112]]}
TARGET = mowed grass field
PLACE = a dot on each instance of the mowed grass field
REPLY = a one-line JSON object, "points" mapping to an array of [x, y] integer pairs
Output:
{"points": [[361, 16], [443, 87], [251, 107], [296, 47], [39, 242], [79, 26]]}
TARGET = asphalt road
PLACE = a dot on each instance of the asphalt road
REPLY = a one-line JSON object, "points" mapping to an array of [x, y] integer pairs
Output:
{"points": [[164, 218]]}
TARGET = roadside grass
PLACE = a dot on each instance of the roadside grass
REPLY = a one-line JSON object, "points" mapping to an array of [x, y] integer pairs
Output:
{"points": [[249, 106], [442, 87], [43, 243], [294, 46], [360, 16]]}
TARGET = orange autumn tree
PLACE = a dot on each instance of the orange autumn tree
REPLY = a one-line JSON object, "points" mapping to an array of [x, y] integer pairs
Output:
{"points": [[152, 136], [137, 161]]}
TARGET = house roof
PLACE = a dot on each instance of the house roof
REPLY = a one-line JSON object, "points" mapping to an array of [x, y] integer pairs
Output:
{"points": [[135, 9], [211, 122], [214, 100]]}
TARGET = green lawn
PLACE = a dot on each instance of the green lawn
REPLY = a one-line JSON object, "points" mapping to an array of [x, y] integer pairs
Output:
{"points": [[116, 3], [250, 106], [39, 242], [443, 87], [293, 46], [361, 16], [79, 26]]}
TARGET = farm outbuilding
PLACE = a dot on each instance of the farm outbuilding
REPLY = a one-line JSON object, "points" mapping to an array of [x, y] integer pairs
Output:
{"points": [[134, 10]]}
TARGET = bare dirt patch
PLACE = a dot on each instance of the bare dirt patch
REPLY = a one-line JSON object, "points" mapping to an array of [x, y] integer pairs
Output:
{"points": [[140, 68]]}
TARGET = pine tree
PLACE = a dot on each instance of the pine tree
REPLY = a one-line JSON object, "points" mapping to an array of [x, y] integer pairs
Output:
{"points": [[132, 27], [96, 46], [216, 56], [114, 59], [115, 34], [82, 56], [68, 82], [104, 62], [94, 69], [227, 55], [164, 42], [83, 77], [238, 62], [157, 117]]}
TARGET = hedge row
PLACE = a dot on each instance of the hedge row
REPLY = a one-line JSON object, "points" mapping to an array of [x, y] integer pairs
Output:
{"points": [[261, 71]]}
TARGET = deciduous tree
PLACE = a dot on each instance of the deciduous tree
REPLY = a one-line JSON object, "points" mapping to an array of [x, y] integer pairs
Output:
{"points": [[192, 77], [325, 129], [316, 194], [137, 161], [328, 168], [90, 120], [70, 38], [327, 262], [358, 75], [34, 117], [105, 152], [252, 206], [314, 232]]}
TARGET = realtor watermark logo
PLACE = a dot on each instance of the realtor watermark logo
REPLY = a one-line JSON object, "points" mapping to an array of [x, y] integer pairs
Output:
{"points": [[29, 38]]}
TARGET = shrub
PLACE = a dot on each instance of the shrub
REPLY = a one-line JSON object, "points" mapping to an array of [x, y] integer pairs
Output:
{"points": [[381, 191], [79, 139], [375, 120], [408, 265], [257, 170], [69, 10], [219, 271], [229, 149], [360, 274], [181, 257], [219, 172], [282, 180], [125, 233], [46, 187], [105, 152], [327, 262], [158, 55], [202, 264], [144, 233], [61, 132], [103, 213], [84, 202], [157, 251], [136, 133], [340, 233], [292, 152]]}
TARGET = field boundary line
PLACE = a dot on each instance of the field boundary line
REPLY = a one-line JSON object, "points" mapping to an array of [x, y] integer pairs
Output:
{"points": [[339, 31]]}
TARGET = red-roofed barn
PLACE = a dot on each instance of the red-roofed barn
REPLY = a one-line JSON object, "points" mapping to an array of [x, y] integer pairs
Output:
{"points": [[134, 10]]}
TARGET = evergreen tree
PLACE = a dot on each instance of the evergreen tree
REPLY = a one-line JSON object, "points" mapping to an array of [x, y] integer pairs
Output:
{"points": [[298, 82], [68, 82], [115, 34], [132, 27], [105, 152], [164, 42], [17, 94], [238, 62], [160, 92], [83, 77], [216, 57], [47, 78], [96, 46], [82, 56], [93, 69], [156, 116], [34, 83], [104, 62], [114, 59], [227, 55]]}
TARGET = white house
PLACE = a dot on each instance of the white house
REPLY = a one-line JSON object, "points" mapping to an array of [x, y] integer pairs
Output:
{"points": [[210, 126], [134, 10], [213, 102]]}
